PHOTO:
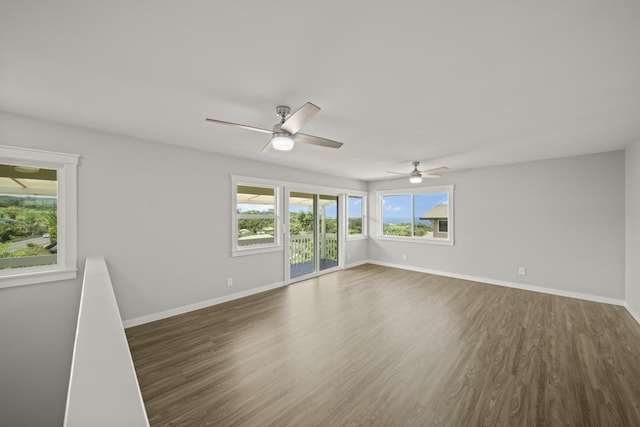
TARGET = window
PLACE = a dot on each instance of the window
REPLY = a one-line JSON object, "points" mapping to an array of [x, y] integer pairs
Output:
{"points": [[37, 216], [423, 215], [356, 219], [256, 218]]}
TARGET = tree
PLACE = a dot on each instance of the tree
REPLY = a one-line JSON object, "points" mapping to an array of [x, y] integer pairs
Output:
{"points": [[301, 222]]}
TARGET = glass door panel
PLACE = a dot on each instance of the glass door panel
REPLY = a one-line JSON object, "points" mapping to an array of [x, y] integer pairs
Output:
{"points": [[327, 231], [302, 234]]}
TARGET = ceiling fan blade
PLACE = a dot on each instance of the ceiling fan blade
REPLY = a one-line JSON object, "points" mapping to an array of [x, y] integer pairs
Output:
{"points": [[428, 175], [239, 125], [267, 147], [435, 171], [298, 119], [400, 177], [316, 140]]}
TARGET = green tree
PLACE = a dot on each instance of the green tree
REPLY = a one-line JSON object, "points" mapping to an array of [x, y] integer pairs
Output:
{"points": [[52, 221], [301, 222], [355, 225], [397, 230]]}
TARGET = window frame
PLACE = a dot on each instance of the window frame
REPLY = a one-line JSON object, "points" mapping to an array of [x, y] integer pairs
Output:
{"points": [[277, 245], [412, 192], [66, 173], [440, 222], [365, 220]]}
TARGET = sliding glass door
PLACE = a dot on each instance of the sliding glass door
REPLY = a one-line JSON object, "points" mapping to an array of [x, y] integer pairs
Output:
{"points": [[313, 239], [327, 214]]}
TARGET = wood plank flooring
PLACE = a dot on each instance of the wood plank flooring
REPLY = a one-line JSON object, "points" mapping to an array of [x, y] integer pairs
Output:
{"points": [[385, 347]]}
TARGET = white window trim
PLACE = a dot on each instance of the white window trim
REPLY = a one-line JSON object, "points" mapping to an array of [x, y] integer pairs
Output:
{"points": [[66, 166], [277, 233], [449, 189], [365, 221]]}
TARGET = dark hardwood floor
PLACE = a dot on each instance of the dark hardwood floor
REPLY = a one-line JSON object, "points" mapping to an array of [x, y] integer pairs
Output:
{"points": [[386, 347]]}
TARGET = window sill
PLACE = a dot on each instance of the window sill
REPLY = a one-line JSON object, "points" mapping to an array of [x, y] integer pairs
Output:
{"points": [[255, 251], [357, 237], [33, 277], [420, 240]]}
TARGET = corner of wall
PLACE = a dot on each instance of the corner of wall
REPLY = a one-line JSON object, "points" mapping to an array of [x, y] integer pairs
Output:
{"points": [[632, 229]]}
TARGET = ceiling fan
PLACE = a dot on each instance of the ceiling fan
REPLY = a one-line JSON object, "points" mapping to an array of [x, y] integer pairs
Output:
{"points": [[415, 176], [285, 133]]}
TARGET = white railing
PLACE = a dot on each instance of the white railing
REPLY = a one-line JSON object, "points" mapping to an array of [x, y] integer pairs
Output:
{"points": [[103, 387], [301, 248]]}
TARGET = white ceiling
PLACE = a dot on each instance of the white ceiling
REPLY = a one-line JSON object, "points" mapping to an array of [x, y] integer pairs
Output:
{"points": [[457, 84]]}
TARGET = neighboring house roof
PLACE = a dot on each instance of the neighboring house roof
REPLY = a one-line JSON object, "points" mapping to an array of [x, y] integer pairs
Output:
{"points": [[437, 212]]}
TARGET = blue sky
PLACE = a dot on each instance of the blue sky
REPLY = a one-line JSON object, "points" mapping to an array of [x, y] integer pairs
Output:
{"points": [[355, 207], [397, 209]]}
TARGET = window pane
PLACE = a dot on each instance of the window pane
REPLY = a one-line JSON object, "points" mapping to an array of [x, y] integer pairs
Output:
{"points": [[355, 215], [259, 231], [432, 210], [28, 216], [256, 208], [396, 215], [255, 200]]}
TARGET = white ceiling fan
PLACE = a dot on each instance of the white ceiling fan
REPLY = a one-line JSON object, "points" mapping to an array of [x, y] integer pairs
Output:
{"points": [[285, 133], [415, 176]]}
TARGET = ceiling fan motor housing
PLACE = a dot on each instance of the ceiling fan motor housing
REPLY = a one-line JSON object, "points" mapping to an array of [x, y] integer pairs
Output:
{"points": [[283, 112]]}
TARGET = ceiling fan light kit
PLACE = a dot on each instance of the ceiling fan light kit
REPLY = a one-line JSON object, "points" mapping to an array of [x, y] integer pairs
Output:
{"points": [[415, 176], [282, 141], [285, 133]]}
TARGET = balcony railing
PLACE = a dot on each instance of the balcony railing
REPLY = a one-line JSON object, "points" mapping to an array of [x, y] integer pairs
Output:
{"points": [[301, 248]]}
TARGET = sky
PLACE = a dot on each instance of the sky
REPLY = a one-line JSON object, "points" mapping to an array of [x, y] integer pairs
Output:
{"points": [[397, 208]]}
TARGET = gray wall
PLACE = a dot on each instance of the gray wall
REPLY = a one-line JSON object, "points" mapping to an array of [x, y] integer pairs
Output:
{"points": [[632, 188], [161, 216], [563, 219]]}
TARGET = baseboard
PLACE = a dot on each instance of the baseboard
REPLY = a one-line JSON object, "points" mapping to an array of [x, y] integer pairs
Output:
{"points": [[356, 264], [633, 313], [558, 292], [203, 304]]}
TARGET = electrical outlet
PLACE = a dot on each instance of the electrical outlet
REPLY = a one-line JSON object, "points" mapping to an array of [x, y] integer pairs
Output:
{"points": [[404, 257], [522, 271], [230, 281]]}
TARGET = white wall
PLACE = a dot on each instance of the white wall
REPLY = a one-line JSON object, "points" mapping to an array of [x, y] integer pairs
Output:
{"points": [[37, 329], [632, 189], [563, 219], [161, 216]]}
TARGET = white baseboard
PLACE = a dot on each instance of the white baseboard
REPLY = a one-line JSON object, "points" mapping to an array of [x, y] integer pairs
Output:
{"points": [[203, 304], [558, 292], [191, 307], [356, 264], [633, 313]]}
